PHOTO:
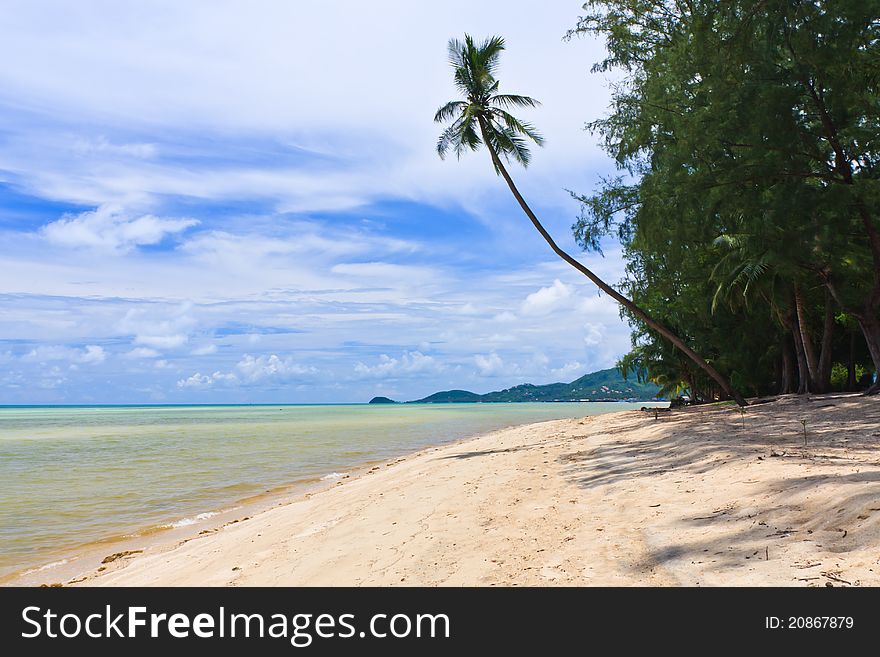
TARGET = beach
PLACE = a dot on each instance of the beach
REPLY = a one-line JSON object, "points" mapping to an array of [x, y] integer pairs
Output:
{"points": [[701, 496], [77, 481]]}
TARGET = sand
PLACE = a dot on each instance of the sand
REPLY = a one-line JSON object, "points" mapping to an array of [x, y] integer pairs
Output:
{"points": [[701, 496]]}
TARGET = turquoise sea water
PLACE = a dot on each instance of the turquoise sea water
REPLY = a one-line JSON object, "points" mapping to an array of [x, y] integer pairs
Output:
{"points": [[74, 475]]}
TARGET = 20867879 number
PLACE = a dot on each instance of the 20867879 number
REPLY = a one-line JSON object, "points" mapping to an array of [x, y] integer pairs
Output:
{"points": [[814, 623]]}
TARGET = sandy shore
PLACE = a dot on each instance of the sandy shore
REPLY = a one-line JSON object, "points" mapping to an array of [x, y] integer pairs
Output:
{"points": [[701, 496]]}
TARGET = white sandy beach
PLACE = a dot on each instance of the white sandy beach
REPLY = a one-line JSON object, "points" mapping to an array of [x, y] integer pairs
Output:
{"points": [[700, 496]]}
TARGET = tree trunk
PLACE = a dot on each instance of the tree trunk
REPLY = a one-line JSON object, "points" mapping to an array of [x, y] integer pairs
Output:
{"points": [[803, 371], [676, 341], [851, 364], [778, 367], [823, 372], [868, 323], [787, 384], [806, 340], [689, 380], [870, 326]]}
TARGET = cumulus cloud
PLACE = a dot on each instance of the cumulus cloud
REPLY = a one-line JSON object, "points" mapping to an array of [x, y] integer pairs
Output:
{"points": [[158, 328], [569, 370], [489, 364], [251, 370], [593, 335], [89, 355], [202, 381], [142, 352], [411, 362], [547, 299], [261, 368], [111, 228], [505, 317], [51, 378]]}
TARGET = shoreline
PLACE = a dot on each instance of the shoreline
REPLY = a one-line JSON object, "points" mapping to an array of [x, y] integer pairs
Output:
{"points": [[64, 557], [71, 566], [702, 496]]}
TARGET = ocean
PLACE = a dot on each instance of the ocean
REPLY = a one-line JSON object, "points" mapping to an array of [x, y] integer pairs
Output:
{"points": [[72, 476]]}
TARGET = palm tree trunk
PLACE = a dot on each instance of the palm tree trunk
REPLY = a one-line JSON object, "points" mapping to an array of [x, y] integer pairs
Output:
{"points": [[806, 340], [677, 342]]}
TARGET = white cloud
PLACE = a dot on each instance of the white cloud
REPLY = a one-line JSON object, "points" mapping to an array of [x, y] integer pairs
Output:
{"points": [[142, 352], [158, 328], [102, 145], [251, 370], [111, 228], [490, 364], [205, 350], [261, 368], [547, 299], [89, 355], [505, 317], [411, 362], [93, 355], [593, 336], [162, 341], [51, 378], [386, 273], [202, 381], [570, 370]]}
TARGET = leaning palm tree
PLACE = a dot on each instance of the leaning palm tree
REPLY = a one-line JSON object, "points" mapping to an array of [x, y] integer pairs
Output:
{"points": [[482, 118]]}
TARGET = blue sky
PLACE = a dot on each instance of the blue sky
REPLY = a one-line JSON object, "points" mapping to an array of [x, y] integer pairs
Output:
{"points": [[241, 202]]}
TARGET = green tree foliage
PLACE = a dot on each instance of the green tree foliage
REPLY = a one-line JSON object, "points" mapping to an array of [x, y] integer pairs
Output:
{"points": [[747, 133]]}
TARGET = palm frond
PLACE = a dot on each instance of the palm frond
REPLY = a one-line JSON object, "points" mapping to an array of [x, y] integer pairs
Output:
{"points": [[457, 53], [449, 110], [516, 125], [509, 144], [467, 139], [512, 100], [490, 50], [447, 139]]}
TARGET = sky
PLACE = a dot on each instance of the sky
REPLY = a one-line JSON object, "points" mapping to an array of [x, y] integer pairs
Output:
{"points": [[241, 202]]}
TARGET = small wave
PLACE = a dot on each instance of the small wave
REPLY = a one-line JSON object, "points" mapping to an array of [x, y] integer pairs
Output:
{"points": [[54, 564], [185, 522], [334, 475]]}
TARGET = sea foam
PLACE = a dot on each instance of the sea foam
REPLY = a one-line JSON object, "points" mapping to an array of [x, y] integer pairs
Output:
{"points": [[185, 522]]}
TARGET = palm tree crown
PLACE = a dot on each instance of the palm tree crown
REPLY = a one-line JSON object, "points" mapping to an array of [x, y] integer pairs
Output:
{"points": [[483, 116]]}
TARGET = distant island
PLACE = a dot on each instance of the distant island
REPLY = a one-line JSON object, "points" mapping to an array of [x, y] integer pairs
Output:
{"points": [[605, 385]]}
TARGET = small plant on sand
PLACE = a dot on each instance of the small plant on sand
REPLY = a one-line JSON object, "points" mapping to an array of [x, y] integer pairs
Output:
{"points": [[804, 423]]}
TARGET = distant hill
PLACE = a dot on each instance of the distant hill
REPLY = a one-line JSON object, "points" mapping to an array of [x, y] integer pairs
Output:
{"points": [[382, 400], [598, 386], [450, 397]]}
